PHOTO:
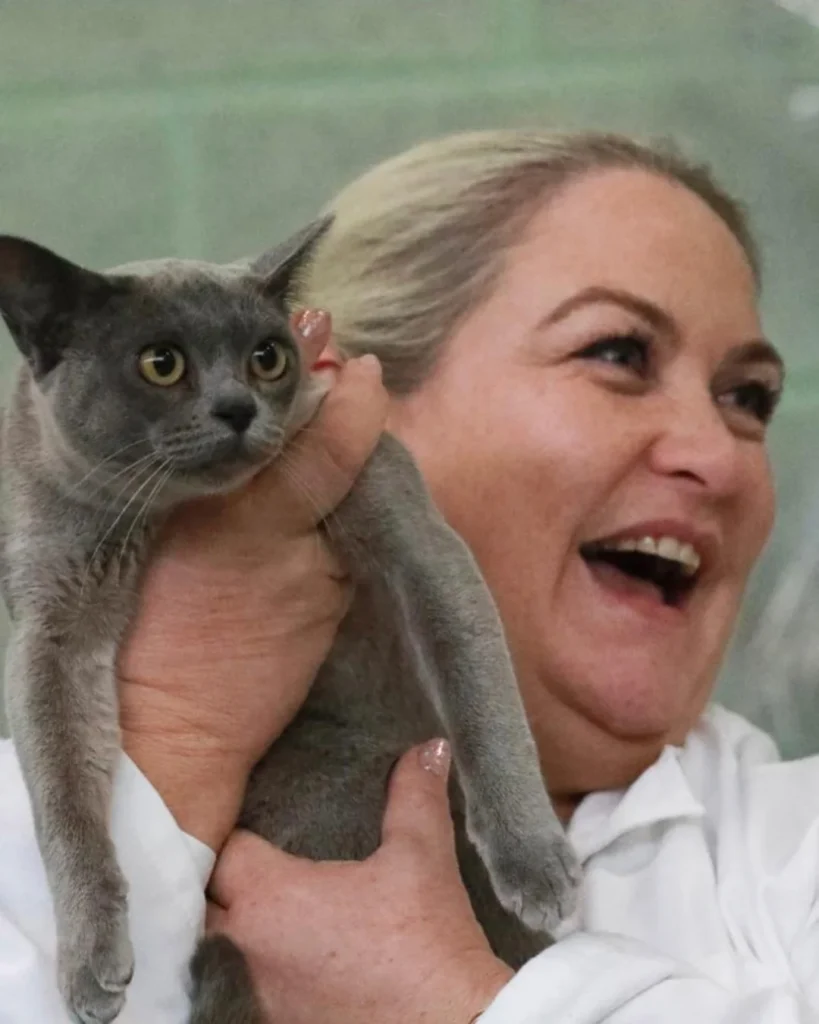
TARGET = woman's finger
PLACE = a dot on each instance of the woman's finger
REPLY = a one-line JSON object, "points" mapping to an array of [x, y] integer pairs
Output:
{"points": [[418, 802], [215, 918], [244, 857], [320, 465]]}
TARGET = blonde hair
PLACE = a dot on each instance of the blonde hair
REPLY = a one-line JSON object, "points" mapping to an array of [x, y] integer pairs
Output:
{"points": [[419, 240]]}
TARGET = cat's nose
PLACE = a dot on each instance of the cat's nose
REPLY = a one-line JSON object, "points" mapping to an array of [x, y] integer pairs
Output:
{"points": [[237, 412]]}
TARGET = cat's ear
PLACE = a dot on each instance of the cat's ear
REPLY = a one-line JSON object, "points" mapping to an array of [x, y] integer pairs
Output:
{"points": [[279, 266], [39, 293]]}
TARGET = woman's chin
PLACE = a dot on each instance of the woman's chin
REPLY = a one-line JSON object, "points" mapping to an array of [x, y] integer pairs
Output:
{"points": [[635, 669], [631, 693], [637, 703]]}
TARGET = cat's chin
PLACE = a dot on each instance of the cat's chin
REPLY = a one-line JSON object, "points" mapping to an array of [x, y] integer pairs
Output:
{"points": [[207, 483], [217, 469], [209, 479]]}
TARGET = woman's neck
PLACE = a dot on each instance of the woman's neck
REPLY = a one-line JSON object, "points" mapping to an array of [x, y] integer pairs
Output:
{"points": [[579, 757]]}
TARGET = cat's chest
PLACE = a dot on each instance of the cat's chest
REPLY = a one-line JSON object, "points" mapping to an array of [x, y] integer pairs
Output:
{"points": [[371, 672], [77, 574]]}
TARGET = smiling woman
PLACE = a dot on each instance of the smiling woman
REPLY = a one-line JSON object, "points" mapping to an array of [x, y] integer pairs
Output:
{"points": [[569, 331], [612, 388]]}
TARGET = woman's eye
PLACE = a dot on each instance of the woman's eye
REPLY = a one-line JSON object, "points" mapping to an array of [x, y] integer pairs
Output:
{"points": [[629, 351], [163, 365], [754, 397], [269, 361]]}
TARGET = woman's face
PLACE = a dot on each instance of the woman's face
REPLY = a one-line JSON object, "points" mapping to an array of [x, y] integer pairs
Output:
{"points": [[613, 391]]}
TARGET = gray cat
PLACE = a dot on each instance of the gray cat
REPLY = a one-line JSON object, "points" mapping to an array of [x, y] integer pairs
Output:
{"points": [[156, 383]]}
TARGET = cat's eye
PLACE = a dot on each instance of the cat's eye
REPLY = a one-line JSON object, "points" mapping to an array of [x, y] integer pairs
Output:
{"points": [[162, 365], [269, 360]]}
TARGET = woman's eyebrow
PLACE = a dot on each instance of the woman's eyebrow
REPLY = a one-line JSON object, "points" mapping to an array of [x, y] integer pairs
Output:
{"points": [[760, 350], [648, 311]]}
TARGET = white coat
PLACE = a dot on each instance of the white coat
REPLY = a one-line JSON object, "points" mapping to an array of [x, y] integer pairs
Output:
{"points": [[700, 902]]}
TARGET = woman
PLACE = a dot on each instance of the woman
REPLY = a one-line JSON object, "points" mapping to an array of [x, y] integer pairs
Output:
{"points": [[570, 341]]}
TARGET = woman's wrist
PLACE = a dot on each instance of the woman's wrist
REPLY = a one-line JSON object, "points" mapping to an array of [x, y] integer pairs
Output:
{"points": [[200, 780], [483, 980]]}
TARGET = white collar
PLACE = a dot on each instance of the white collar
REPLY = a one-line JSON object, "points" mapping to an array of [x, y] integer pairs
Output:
{"points": [[661, 793]]}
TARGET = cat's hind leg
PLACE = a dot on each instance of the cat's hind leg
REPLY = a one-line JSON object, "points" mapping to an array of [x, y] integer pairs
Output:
{"points": [[222, 992], [319, 793]]}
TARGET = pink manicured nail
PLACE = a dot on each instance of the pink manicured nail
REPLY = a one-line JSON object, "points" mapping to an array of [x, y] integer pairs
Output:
{"points": [[312, 321], [435, 757]]}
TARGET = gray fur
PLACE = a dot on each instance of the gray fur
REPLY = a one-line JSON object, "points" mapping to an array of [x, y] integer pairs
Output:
{"points": [[93, 457]]}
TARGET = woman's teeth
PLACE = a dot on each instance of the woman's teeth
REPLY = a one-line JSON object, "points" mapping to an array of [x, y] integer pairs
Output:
{"points": [[663, 547]]}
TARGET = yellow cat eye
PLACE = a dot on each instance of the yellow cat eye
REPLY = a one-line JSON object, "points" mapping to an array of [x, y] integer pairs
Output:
{"points": [[162, 365], [269, 361]]}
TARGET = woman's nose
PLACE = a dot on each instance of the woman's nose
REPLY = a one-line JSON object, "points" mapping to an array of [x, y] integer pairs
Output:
{"points": [[694, 443]]}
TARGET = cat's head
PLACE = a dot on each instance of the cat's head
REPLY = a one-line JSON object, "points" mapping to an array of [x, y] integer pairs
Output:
{"points": [[171, 368]]}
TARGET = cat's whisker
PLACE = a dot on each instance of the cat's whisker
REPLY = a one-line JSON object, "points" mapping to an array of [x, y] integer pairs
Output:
{"points": [[271, 433], [111, 529], [305, 430], [267, 448], [320, 452], [134, 471], [292, 477], [108, 458], [330, 520], [141, 461], [168, 468], [313, 505], [165, 470]]}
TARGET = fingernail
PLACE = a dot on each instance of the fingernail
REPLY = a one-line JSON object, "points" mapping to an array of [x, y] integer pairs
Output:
{"points": [[312, 321], [435, 757]]}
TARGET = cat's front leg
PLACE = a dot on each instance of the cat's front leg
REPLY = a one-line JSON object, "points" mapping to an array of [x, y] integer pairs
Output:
{"points": [[462, 658], [61, 702], [468, 670]]}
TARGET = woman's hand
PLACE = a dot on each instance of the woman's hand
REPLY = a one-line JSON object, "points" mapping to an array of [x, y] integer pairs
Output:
{"points": [[239, 608], [392, 939]]}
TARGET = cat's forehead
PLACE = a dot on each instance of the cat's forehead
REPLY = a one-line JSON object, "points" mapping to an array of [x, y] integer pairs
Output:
{"points": [[170, 273], [193, 291]]}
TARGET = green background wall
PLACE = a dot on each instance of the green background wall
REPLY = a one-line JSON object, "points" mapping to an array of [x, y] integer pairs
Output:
{"points": [[131, 128]]}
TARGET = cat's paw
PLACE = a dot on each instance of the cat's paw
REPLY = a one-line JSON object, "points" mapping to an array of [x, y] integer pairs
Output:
{"points": [[534, 872], [96, 966]]}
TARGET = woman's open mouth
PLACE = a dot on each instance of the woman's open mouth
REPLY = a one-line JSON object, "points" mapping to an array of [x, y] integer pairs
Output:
{"points": [[660, 565]]}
